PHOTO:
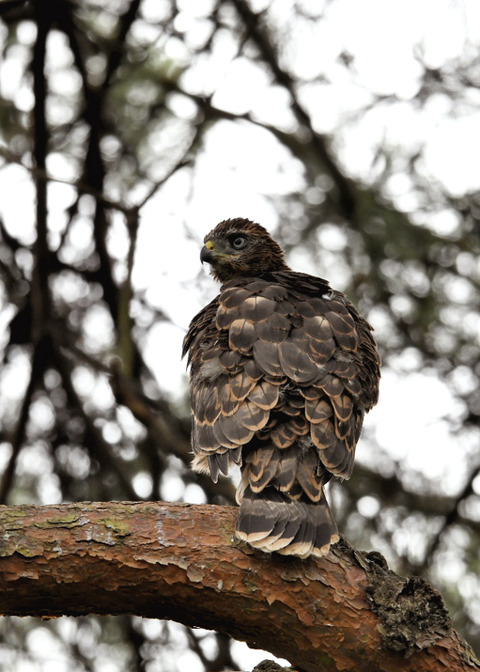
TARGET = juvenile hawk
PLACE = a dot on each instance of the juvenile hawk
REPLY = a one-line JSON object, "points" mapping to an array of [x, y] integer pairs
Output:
{"points": [[283, 369]]}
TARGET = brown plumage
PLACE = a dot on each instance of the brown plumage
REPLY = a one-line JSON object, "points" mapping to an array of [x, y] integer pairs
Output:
{"points": [[283, 369]]}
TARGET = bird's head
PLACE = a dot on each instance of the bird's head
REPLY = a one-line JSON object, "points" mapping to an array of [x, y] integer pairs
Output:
{"points": [[241, 248]]}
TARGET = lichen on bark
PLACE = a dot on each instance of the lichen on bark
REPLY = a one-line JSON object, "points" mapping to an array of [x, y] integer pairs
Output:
{"points": [[412, 613]]}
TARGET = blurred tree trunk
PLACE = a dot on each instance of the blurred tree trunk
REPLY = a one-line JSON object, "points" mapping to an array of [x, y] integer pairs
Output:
{"points": [[347, 611]]}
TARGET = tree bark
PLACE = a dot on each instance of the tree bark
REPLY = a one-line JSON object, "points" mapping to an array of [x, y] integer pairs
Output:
{"points": [[346, 611]]}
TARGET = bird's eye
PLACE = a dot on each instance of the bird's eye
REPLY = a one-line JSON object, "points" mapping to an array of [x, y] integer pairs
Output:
{"points": [[238, 242]]}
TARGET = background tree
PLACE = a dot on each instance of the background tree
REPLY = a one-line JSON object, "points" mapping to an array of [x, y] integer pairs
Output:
{"points": [[127, 130]]}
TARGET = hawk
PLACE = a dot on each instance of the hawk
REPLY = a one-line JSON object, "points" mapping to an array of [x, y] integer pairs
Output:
{"points": [[283, 369]]}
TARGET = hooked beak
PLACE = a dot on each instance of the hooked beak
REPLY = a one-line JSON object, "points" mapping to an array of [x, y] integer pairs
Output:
{"points": [[207, 254]]}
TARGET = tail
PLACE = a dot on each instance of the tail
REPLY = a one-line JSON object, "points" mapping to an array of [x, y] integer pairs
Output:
{"points": [[271, 521]]}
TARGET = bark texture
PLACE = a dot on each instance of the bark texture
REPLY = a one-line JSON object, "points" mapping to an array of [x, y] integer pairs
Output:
{"points": [[346, 611]]}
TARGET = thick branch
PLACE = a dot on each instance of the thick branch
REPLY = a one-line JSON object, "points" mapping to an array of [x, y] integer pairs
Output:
{"points": [[343, 612]]}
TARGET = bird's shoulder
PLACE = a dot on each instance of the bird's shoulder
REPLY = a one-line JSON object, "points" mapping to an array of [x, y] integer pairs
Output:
{"points": [[278, 286], [279, 312], [255, 299], [290, 293]]}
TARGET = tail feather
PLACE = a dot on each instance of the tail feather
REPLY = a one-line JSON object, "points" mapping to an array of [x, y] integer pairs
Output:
{"points": [[291, 529], [271, 521], [303, 543]]}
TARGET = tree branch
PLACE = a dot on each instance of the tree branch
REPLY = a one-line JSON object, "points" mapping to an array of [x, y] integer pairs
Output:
{"points": [[451, 517], [343, 612]]}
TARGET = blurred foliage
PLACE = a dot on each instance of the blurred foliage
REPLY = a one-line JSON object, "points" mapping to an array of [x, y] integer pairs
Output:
{"points": [[112, 111]]}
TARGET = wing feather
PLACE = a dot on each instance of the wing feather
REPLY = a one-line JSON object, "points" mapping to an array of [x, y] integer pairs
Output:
{"points": [[242, 335], [266, 357], [265, 395]]}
